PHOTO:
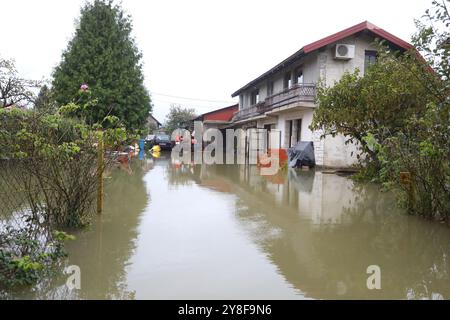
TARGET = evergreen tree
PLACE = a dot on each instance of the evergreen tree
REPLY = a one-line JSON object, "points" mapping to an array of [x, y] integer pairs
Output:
{"points": [[44, 101], [103, 57]]}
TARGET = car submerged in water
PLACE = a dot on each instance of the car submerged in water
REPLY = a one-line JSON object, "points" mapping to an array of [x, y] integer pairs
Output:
{"points": [[162, 140]]}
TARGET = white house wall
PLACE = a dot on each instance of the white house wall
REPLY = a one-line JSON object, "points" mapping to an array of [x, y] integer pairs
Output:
{"points": [[335, 152], [336, 68], [318, 67]]}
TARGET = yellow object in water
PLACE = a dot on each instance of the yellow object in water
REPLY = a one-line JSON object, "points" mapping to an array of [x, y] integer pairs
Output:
{"points": [[156, 154], [156, 148]]}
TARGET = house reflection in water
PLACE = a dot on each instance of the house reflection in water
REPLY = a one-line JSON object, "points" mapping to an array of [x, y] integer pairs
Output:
{"points": [[322, 231], [312, 195], [226, 232]]}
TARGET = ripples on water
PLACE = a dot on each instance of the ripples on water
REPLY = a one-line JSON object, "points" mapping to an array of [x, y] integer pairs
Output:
{"points": [[207, 232]]}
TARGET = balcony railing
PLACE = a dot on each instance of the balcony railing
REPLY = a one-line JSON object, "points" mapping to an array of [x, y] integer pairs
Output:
{"points": [[295, 94], [251, 111]]}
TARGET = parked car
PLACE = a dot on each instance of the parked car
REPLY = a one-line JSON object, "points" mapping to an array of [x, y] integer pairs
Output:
{"points": [[163, 140]]}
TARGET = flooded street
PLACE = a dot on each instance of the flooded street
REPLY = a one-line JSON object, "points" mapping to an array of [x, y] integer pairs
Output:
{"points": [[225, 232]]}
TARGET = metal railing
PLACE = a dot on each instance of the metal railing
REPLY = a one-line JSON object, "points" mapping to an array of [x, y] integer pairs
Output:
{"points": [[249, 112], [295, 94]]}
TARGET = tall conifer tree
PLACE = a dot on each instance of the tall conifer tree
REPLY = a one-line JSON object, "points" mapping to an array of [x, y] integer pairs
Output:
{"points": [[103, 55]]}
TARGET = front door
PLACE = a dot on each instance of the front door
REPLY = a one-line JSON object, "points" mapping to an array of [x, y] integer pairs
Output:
{"points": [[294, 129]]}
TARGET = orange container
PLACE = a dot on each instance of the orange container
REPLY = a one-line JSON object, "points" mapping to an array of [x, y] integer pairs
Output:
{"points": [[264, 160]]}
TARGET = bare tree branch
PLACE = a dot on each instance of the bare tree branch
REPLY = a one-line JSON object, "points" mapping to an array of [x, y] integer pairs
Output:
{"points": [[14, 90]]}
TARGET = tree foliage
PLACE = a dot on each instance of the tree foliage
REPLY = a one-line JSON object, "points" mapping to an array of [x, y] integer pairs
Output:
{"points": [[48, 180], [423, 146], [15, 90], [178, 117], [377, 103], [433, 39], [103, 55], [44, 101], [399, 113]]}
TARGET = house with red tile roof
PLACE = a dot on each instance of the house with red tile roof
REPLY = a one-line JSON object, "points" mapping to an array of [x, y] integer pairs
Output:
{"points": [[284, 97], [219, 118]]}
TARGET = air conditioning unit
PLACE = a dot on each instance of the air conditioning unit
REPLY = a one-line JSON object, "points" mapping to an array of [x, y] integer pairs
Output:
{"points": [[344, 51]]}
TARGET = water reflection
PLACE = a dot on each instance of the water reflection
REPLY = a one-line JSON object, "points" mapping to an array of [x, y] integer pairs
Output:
{"points": [[322, 232], [198, 232], [102, 250], [112, 241]]}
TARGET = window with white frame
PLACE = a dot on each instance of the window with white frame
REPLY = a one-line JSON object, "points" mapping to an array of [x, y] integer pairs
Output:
{"points": [[254, 98]]}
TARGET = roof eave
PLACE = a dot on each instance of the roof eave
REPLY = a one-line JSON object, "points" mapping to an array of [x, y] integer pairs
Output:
{"points": [[159, 123], [200, 117], [297, 55], [326, 41]]}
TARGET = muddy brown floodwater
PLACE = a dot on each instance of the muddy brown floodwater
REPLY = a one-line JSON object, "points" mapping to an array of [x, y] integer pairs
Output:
{"points": [[225, 232]]}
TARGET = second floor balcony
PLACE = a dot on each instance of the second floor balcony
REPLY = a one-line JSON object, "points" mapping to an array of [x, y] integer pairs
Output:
{"points": [[294, 95]]}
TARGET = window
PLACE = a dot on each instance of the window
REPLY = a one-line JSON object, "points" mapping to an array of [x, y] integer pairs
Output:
{"points": [[298, 130], [268, 128], [270, 88], [294, 132], [291, 129], [298, 76], [162, 137], [254, 99], [369, 59], [287, 83]]}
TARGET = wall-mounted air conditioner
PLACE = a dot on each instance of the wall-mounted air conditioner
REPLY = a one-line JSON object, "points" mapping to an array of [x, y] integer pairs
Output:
{"points": [[344, 51]]}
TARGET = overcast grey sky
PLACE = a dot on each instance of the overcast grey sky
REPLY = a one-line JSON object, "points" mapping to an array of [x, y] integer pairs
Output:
{"points": [[199, 49]]}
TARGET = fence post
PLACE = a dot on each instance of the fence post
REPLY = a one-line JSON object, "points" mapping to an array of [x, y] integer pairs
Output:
{"points": [[405, 180], [100, 167]]}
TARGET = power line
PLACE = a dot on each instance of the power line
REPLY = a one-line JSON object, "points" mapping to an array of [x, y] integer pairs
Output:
{"points": [[158, 102], [208, 104], [193, 99]]}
